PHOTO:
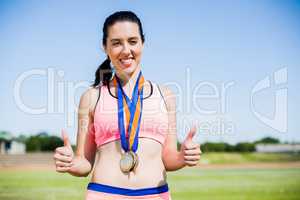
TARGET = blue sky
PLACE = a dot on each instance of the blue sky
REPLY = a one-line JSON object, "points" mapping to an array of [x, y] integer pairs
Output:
{"points": [[213, 43]]}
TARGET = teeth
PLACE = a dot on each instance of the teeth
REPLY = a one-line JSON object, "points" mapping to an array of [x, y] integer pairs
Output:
{"points": [[126, 61]]}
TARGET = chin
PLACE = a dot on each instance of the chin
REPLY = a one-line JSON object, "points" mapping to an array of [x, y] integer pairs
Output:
{"points": [[129, 70]]}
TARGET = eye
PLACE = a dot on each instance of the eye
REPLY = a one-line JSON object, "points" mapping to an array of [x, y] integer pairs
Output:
{"points": [[116, 43], [132, 42]]}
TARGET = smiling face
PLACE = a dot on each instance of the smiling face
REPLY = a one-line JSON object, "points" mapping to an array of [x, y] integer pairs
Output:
{"points": [[124, 47]]}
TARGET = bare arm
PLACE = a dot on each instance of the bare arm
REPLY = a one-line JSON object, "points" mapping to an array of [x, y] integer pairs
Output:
{"points": [[189, 153], [82, 162], [86, 147], [171, 157]]}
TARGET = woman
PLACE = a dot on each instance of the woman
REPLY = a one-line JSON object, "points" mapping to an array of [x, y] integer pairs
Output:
{"points": [[127, 123]]}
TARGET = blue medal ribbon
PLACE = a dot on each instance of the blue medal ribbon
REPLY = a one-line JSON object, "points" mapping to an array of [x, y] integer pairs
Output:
{"points": [[134, 111]]}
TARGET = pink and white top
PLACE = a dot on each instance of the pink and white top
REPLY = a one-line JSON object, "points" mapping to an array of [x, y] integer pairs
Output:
{"points": [[154, 121]]}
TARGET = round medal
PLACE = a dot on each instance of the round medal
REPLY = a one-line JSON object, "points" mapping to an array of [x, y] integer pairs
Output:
{"points": [[127, 162], [135, 159]]}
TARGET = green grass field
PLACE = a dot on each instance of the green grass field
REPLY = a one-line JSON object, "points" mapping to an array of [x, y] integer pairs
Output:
{"points": [[253, 157], [186, 184]]}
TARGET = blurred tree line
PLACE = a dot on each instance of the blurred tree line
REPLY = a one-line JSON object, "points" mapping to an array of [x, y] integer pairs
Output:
{"points": [[40, 142], [239, 147]]}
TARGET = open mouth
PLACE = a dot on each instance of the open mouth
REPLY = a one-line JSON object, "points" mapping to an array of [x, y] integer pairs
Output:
{"points": [[126, 61]]}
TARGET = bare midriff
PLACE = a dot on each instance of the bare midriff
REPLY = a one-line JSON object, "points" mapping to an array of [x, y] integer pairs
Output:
{"points": [[150, 171]]}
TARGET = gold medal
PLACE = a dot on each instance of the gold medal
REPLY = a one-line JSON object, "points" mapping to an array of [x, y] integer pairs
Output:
{"points": [[127, 162]]}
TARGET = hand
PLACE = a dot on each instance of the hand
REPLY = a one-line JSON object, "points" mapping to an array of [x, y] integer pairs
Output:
{"points": [[64, 155], [190, 151]]}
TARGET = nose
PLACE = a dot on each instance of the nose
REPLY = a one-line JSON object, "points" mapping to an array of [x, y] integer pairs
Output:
{"points": [[126, 49]]}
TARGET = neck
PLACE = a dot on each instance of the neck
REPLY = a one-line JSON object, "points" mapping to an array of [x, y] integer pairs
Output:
{"points": [[129, 79]]}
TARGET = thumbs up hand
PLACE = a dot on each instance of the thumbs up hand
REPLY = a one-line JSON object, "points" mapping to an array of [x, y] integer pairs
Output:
{"points": [[190, 151], [64, 155]]}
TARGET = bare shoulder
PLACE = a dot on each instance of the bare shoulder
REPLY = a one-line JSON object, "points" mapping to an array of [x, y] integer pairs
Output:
{"points": [[89, 98], [168, 95], [166, 91]]}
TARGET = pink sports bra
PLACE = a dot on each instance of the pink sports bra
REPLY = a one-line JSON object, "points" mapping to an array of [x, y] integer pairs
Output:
{"points": [[154, 121]]}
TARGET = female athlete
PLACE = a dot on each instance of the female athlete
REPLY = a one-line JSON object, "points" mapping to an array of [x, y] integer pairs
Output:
{"points": [[126, 133]]}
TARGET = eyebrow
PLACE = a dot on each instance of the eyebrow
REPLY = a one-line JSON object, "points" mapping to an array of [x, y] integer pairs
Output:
{"points": [[117, 39]]}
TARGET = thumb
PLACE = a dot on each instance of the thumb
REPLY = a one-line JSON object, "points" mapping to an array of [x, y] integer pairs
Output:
{"points": [[65, 138], [191, 134]]}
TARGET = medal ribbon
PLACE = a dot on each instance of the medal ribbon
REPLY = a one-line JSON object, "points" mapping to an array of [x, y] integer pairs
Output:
{"points": [[133, 113]]}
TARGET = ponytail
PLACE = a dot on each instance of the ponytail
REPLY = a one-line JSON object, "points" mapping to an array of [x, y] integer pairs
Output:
{"points": [[103, 74]]}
